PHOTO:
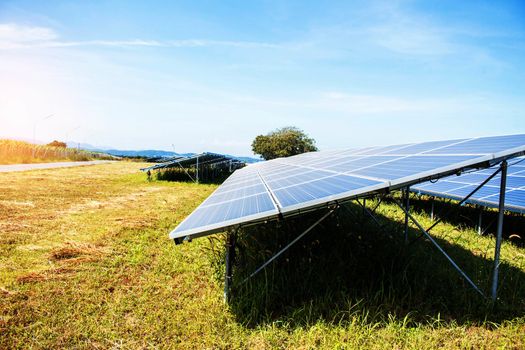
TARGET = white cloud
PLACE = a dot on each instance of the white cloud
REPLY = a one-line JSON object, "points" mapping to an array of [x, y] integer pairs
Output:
{"points": [[412, 39], [401, 30], [362, 104], [14, 36], [17, 33]]}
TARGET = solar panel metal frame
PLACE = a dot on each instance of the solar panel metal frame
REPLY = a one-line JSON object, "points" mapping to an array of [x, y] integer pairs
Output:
{"points": [[485, 160], [165, 164]]}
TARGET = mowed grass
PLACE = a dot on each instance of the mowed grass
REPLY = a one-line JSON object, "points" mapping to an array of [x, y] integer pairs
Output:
{"points": [[85, 262]]}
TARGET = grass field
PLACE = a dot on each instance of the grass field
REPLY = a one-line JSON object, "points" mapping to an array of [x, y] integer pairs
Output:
{"points": [[85, 262]]}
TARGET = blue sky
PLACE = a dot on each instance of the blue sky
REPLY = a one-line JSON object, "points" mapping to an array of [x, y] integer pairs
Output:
{"points": [[211, 75]]}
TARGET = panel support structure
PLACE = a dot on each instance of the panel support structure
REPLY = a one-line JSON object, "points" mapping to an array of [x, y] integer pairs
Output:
{"points": [[186, 171], [370, 213], [230, 257], [407, 206], [452, 262], [480, 230], [197, 171], [432, 209], [441, 216], [327, 214], [501, 212]]}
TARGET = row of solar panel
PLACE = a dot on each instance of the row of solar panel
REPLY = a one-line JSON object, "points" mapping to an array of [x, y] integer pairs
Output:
{"points": [[206, 158], [284, 185]]}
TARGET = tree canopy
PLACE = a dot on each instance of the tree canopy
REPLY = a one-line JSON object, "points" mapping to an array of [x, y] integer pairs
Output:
{"points": [[284, 142]]}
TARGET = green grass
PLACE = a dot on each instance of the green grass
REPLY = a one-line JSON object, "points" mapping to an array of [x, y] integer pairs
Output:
{"points": [[85, 263]]}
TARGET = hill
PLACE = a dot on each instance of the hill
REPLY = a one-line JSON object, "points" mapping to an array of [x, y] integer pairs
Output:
{"points": [[150, 153]]}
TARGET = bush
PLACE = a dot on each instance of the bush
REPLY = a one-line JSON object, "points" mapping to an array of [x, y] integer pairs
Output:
{"points": [[58, 144]]}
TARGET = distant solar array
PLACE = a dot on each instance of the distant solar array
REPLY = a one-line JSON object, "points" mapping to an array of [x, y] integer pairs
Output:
{"points": [[206, 158], [457, 187], [288, 186]]}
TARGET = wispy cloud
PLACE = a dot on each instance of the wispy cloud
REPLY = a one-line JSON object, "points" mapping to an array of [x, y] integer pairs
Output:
{"points": [[364, 104], [402, 31], [412, 39], [14, 36]]}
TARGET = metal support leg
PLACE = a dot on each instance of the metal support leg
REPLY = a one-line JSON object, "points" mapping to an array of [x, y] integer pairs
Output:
{"points": [[432, 210], [370, 213], [327, 214], [479, 220], [452, 262], [230, 257], [407, 206], [501, 212], [186, 171], [197, 171]]}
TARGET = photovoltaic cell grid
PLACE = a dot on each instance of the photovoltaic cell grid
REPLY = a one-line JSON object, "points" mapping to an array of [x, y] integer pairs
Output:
{"points": [[286, 186], [458, 187]]}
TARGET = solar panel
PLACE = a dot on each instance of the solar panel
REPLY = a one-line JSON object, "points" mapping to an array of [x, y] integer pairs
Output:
{"points": [[206, 158], [168, 163], [288, 186], [457, 187]]}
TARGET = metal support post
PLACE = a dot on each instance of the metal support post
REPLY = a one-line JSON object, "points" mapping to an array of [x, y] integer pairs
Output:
{"points": [[407, 206], [364, 206], [479, 221], [452, 262], [197, 170], [501, 212], [327, 214], [432, 210], [230, 257]]}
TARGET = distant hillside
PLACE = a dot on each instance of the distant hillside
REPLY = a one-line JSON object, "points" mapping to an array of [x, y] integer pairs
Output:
{"points": [[247, 160], [151, 153], [144, 153]]}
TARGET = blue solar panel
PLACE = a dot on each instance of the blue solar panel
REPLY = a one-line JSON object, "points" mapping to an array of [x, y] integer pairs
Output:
{"points": [[422, 147], [286, 186], [319, 188], [483, 145], [354, 163], [458, 187], [407, 166]]}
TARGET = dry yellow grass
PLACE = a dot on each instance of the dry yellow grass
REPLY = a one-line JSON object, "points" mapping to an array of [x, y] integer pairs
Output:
{"points": [[20, 152]]}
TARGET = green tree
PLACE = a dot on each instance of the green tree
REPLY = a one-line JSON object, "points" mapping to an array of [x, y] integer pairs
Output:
{"points": [[284, 142]]}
